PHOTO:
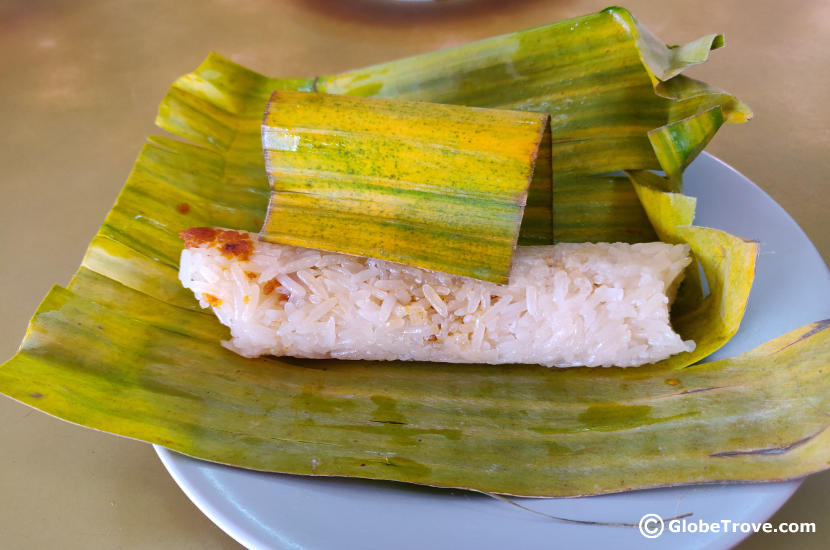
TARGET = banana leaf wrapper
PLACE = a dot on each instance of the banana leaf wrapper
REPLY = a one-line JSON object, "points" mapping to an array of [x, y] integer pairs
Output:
{"points": [[613, 90], [522, 430], [441, 187], [125, 349]]}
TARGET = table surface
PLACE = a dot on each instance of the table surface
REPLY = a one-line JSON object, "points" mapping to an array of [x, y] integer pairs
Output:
{"points": [[81, 82]]}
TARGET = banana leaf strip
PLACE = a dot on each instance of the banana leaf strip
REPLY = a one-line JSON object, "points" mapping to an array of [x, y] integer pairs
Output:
{"points": [[441, 187], [728, 263]]}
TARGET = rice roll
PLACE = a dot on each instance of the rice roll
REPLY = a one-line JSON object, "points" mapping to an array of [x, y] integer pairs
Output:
{"points": [[569, 304]]}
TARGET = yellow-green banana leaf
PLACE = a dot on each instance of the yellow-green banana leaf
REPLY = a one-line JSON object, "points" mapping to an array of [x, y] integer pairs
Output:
{"points": [[442, 187], [126, 349], [614, 93], [153, 371]]}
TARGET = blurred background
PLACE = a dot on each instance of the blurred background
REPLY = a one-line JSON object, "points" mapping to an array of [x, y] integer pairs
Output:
{"points": [[79, 86]]}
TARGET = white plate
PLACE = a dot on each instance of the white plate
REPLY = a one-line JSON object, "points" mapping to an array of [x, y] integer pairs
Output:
{"points": [[261, 510]]}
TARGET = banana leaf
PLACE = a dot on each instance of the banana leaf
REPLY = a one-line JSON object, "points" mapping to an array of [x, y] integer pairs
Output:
{"points": [[442, 187], [153, 371], [126, 349], [614, 93]]}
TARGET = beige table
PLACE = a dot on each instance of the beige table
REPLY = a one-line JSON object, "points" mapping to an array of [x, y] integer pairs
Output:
{"points": [[79, 86]]}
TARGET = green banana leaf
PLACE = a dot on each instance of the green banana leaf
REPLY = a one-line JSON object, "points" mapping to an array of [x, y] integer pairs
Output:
{"points": [[728, 263], [153, 371], [442, 187], [613, 91], [126, 349]]}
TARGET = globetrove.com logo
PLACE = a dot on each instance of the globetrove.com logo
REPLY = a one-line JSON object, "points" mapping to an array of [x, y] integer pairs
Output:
{"points": [[652, 526]]}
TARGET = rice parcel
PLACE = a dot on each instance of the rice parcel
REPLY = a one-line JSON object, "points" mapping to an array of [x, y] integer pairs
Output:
{"points": [[569, 304]]}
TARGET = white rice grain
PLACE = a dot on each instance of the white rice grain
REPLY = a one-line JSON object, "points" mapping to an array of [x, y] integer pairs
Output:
{"points": [[565, 305]]}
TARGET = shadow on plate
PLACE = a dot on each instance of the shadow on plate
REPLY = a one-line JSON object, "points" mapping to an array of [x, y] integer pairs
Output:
{"points": [[413, 11]]}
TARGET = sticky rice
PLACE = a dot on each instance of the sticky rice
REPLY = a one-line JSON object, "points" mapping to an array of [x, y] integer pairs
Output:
{"points": [[565, 305]]}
